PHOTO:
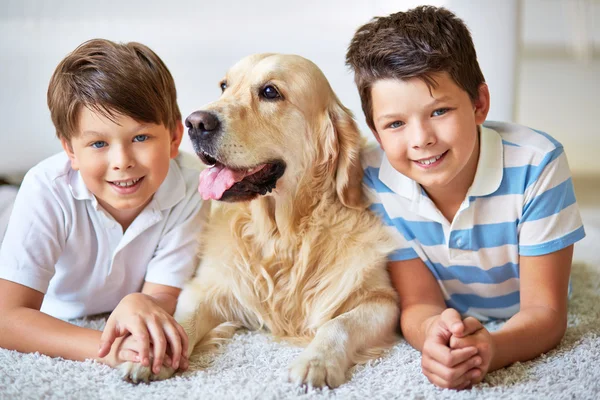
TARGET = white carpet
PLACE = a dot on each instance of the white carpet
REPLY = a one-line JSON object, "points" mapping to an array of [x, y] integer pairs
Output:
{"points": [[252, 366]]}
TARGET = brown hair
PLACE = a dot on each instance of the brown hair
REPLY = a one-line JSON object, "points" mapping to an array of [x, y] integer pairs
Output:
{"points": [[415, 43], [108, 78]]}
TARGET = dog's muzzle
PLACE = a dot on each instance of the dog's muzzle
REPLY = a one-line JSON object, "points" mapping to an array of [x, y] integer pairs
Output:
{"points": [[204, 128]]}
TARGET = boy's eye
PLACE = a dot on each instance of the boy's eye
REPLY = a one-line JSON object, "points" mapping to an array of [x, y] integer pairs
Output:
{"points": [[99, 144], [140, 138], [395, 124], [440, 111]]}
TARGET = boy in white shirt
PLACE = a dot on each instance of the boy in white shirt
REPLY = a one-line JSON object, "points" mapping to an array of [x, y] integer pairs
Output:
{"points": [[110, 225]]}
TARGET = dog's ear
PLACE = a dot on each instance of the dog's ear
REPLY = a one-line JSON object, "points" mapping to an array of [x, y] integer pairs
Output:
{"points": [[349, 172]]}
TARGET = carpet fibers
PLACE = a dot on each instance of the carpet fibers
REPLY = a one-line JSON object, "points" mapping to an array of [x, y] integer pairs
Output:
{"points": [[253, 366]]}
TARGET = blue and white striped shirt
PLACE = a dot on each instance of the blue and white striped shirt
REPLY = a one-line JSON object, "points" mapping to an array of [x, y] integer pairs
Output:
{"points": [[521, 202]]}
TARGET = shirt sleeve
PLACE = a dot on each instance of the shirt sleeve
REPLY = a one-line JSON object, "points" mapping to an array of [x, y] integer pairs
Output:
{"points": [[373, 187], [550, 219], [176, 257], [35, 236]]}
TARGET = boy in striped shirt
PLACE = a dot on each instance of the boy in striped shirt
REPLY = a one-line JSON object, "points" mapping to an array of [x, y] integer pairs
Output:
{"points": [[484, 212]]}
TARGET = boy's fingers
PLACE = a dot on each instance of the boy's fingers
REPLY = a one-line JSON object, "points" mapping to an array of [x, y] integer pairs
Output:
{"points": [[467, 384], [457, 342], [184, 340], [175, 344], [159, 342], [447, 357], [168, 362], [471, 325], [140, 333], [184, 364], [458, 356], [107, 338], [452, 377], [443, 383], [452, 320], [129, 355]]}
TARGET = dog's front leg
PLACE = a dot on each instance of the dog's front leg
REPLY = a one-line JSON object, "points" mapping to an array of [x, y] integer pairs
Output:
{"points": [[369, 326]]}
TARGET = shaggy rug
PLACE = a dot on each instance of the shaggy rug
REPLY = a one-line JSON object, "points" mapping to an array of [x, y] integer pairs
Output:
{"points": [[253, 366]]}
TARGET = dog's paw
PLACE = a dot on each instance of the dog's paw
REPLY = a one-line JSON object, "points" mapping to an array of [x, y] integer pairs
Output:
{"points": [[317, 370], [136, 372]]}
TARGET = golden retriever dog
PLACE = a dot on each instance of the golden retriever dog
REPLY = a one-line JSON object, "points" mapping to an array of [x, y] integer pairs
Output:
{"points": [[291, 247]]}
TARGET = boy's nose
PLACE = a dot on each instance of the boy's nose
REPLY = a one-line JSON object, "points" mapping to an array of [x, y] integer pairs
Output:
{"points": [[123, 161], [423, 137]]}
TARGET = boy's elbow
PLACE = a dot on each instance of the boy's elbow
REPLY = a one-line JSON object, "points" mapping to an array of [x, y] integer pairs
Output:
{"points": [[557, 329], [561, 330]]}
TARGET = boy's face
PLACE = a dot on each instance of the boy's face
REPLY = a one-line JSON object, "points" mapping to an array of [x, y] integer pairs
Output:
{"points": [[431, 137], [122, 163]]}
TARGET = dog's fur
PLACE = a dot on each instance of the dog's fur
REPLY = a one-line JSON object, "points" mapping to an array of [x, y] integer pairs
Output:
{"points": [[306, 261]]}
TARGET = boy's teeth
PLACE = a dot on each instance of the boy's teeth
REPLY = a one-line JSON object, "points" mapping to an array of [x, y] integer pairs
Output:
{"points": [[431, 160], [127, 183]]}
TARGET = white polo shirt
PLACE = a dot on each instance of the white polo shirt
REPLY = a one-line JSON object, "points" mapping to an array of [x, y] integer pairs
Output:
{"points": [[60, 242], [521, 203]]}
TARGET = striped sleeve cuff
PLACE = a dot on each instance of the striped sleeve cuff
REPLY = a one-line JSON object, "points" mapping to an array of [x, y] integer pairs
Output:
{"points": [[553, 245], [403, 254]]}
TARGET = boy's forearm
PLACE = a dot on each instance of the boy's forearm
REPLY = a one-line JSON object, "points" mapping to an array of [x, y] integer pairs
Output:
{"points": [[28, 330], [526, 335], [415, 320]]}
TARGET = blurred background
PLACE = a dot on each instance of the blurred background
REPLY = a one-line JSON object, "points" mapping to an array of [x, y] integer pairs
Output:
{"points": [[540, 59]]}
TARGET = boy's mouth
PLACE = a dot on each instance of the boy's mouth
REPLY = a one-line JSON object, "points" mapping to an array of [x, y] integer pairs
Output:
{"points": [[126, 184], [427, 162]]}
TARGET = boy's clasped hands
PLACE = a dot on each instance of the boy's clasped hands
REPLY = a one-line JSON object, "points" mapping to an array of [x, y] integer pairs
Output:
{"points": [[140, 330], [456, 353]]}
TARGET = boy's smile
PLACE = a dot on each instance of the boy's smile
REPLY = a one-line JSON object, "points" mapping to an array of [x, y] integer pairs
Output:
{"points": [[123, 162], [431, 136], [431, 162], [127, 186]]}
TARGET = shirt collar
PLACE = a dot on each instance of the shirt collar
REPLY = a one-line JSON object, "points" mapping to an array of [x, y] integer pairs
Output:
{"points": [[78, 188], [171, 192], [399, 183], [490, 168]]}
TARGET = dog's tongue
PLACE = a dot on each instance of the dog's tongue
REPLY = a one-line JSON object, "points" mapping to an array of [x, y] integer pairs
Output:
{"points": [[214, 181]]}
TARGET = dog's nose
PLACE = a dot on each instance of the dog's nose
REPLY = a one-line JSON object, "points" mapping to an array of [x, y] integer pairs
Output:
{"points": [[202, 122]]}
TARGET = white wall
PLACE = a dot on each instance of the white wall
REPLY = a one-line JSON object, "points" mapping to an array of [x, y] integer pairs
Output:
{"points": [[558, 81], [199, 40]]}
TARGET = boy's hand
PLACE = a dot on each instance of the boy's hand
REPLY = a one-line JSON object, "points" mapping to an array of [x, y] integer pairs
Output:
{"points": [[446, 367], [123, 349], [475, 335], [126, 348], [148, 323]]}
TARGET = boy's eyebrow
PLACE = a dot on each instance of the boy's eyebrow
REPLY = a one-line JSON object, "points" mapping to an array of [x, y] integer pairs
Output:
{"points": [[432, 104], [92, 133], [140, 127], [438, 100]]}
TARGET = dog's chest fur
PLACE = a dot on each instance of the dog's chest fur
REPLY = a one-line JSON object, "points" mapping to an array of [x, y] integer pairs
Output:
{"points": [[289, 282]]}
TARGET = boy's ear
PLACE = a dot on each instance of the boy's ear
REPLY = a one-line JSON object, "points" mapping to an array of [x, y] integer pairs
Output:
{"points": [[176, 138], [66, 145], [482, 104]]}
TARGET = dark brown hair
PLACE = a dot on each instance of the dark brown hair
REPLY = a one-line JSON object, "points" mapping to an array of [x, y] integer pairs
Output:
{"points": [[415, 43], [112, 78]]}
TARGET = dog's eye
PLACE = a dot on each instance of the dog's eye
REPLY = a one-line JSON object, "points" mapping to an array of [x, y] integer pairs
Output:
{"points": [[223, 86], [270, 92]]}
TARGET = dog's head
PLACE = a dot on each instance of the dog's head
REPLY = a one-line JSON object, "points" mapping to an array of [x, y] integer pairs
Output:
{"points": [[277, 125]]}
